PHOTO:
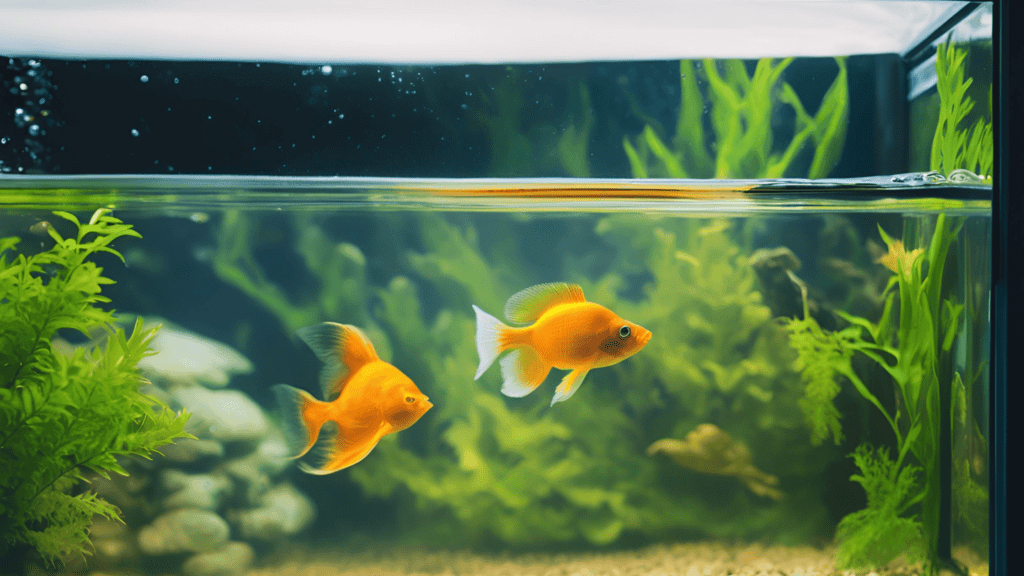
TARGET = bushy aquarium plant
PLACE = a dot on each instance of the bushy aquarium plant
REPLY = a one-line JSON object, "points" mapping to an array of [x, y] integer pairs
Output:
{"points": [[912, 343], [65, 415]]}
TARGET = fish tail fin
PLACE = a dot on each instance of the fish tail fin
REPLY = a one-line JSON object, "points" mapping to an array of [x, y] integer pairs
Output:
{"points": [[489, 331], [522, 371], [302, 416]]}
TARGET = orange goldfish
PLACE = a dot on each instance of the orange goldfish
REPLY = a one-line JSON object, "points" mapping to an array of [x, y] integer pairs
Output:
{"points": [[366, 399], [567, 333]]}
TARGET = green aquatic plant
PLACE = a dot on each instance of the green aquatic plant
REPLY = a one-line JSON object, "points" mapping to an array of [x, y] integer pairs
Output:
{"points": [[953, 147], [481, 468], [912, 346], [741, 109], [63, 416], [882, 531], [525, 142]]}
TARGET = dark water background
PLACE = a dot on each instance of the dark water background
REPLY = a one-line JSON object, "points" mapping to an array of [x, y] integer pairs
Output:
{"points": [[372, 120]]}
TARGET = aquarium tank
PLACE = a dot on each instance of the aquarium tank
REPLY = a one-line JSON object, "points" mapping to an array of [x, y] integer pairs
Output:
{"points": [[674, 288]]}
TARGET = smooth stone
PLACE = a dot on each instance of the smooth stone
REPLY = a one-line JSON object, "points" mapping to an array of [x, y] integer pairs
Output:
{"points": [[226, 415], [231, 559], [256, 470], [184, 530], [187, 450], [185, 357], [205, 491], [112, 544], [283, 511]]}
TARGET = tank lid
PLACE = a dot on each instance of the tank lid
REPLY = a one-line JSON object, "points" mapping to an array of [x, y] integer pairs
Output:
{"points": [[462, 31]]}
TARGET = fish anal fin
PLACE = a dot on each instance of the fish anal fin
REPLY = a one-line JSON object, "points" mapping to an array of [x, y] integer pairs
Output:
{"points": [[527, 305], [332, 452], [569, 385], [342, 348], [522, 371]]}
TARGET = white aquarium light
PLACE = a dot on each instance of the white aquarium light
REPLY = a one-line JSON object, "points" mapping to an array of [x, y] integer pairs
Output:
{"points": [[461, 31]]}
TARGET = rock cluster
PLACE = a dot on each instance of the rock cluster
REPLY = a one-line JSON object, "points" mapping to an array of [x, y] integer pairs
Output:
{"points": [[209, 506]]}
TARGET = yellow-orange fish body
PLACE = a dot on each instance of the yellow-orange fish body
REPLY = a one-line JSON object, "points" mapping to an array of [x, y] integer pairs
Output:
{"points": [[366, 399], [567, 333]]}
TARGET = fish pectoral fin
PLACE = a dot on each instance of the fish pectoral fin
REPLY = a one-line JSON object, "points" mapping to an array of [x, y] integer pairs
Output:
{"points": [[569, 385], [527, 305], [332, 452], [522, 371], [342, 348]]}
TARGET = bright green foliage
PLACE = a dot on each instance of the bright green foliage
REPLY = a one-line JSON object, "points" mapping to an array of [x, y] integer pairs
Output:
{"points": [[879, 533], [482, 468], [741, 110], [822, 357], [62, 416], [954, 148], [911, 349]]}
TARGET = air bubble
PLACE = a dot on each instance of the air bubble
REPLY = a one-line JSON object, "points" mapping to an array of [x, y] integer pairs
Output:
{"points": [[135, 132], [326, 69], [143, 78], [34, 130]]}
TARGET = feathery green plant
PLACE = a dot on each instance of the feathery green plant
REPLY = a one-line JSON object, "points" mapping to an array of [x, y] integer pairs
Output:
{"points": [[741, 112], [953, 148], [910, 349], [62, 416], [880, 532]]}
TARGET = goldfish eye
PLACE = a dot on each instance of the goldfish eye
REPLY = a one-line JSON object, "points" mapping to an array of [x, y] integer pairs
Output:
{"points": [[624, 332], [409, 399]]}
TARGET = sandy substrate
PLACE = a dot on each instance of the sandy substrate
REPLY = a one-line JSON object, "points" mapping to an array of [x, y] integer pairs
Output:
{"points": [[675, 560]]}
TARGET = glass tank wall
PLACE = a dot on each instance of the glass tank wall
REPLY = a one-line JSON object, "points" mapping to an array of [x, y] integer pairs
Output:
{"points": [[413, 302]]}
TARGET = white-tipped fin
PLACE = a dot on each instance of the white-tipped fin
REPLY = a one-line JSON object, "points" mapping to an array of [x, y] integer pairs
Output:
{"points": [[522, 370], [488, 346], [569, 385]]}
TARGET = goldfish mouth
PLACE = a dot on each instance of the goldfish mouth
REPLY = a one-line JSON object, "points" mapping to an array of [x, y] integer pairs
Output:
{"points": [[645, 337]]}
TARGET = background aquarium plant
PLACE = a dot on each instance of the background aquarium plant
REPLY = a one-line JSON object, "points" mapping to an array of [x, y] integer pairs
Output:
{"points": [[795, 204]]}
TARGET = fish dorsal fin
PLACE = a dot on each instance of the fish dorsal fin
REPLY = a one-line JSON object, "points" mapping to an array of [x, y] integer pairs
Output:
{"points": [[526, 306], [342, 348]]}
